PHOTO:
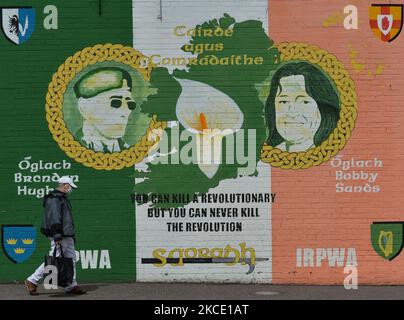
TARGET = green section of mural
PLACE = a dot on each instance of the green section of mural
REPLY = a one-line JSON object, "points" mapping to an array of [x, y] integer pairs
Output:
{"points": [[103, 212], [223, 69]]}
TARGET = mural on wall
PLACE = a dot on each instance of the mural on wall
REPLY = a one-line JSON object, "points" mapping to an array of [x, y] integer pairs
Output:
{"points": [[236, 145], [200, 134]]}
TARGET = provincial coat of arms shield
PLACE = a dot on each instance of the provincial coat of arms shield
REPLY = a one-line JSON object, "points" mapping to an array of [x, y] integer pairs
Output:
{"points": [[386, 21], [18, 241], [387, 238], [18, 23]]}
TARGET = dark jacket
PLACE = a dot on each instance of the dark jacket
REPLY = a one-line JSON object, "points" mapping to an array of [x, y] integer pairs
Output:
{"points": [[57, 220]]}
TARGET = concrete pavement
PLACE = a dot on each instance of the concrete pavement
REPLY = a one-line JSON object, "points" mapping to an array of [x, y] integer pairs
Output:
{"points": [[182, 291]]}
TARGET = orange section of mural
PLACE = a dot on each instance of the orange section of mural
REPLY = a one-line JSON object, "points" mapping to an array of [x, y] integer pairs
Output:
{"points": [[322, 217]]}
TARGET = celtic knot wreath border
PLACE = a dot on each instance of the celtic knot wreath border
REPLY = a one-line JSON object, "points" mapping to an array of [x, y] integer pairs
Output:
{"points": [[54, 103], [348, 109]]}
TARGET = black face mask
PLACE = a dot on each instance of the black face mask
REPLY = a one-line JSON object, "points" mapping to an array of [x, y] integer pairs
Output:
{"points": [[117, 103]]}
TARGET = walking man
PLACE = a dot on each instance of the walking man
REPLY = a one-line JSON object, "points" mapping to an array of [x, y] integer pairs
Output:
{"points": [[58, 226]]}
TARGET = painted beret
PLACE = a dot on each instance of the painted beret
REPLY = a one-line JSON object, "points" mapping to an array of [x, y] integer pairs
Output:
{"points": [[101, 80]]}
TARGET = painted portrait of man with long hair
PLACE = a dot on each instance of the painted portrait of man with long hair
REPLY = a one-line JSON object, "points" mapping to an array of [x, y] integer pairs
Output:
{"points": [[302, 108]]}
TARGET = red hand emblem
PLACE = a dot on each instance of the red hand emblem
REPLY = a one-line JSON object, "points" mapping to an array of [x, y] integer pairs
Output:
{"points": [[385, 23]]}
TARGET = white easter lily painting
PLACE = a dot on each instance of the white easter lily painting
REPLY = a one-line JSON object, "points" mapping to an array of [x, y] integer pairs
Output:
{"points": [[210, 115]]}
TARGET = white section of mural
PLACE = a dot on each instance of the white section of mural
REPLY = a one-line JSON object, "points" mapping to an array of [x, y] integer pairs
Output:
{"points": [[152, 234], [242, 256]]}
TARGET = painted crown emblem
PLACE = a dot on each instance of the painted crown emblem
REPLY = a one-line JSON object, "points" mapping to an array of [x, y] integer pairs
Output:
{"points": [[19, 250], [27, 241], [11, 241]]}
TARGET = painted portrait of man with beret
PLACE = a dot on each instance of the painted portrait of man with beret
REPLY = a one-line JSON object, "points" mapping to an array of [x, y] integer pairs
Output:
{"points": [[105, 102]]}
